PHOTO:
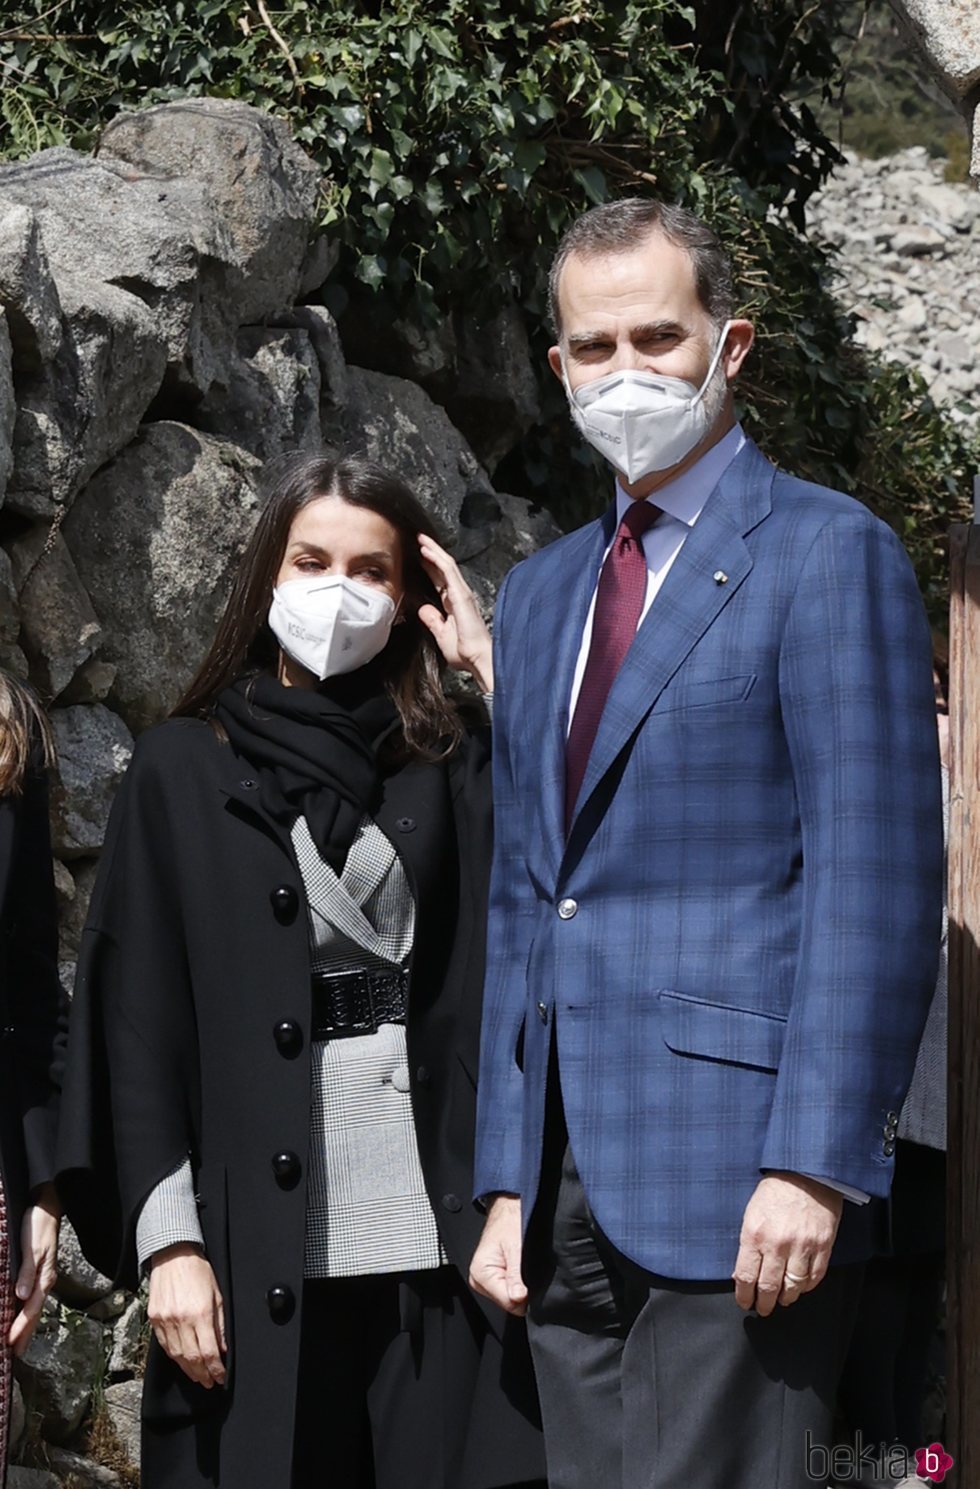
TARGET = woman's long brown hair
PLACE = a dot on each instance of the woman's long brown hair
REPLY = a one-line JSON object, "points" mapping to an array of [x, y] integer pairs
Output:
{"points": [[411, 663], [25, 735]]}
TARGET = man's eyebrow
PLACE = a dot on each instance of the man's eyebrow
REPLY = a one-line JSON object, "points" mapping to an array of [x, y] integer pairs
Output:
{"points": [[652, 329], [584, 338]]}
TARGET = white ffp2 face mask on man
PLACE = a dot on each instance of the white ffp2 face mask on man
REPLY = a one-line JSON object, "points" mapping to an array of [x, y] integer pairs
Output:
{"points": [[330, 624], [644, 421]]}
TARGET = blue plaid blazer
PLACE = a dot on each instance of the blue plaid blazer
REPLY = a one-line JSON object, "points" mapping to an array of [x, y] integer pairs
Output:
{"points": [[754, 866]]}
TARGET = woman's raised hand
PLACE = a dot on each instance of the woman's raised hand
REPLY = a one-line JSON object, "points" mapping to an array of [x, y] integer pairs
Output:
{"points": [[187, 1313], [461, 633]]}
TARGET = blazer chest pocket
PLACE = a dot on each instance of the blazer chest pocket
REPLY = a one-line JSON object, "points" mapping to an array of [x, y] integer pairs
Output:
{"points": [[709, 691], [717, 1031]]}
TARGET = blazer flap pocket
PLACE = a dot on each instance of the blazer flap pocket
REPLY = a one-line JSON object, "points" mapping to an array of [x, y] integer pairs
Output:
{"points": [[710, 690], [718, 1031]]}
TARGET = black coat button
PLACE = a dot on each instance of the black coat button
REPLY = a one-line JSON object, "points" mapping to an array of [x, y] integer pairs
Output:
{"points": [[452, 1203], [285, 903], [890, 1132], [287, 1169], [888, 1149], [543, 1012], [281, 1303], [289, 1038], [422, 1076], [248, 785], [406, 824]]}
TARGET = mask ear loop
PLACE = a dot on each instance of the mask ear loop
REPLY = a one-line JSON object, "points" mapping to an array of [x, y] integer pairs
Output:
{"points": [[713, 364]]}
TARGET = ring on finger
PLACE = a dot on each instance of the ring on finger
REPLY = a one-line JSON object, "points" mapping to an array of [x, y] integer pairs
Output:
{"points": [[794, 1280]]}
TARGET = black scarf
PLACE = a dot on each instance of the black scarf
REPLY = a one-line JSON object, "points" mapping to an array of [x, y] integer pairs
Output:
{"points": [[315, 752]]}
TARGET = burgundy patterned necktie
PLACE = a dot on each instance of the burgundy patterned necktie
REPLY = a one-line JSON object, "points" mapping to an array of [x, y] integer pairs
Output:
{"points": [[618, 607]]}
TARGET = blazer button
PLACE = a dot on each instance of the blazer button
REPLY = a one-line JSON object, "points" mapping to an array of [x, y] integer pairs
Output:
{"points": [[285, 903], [891, 1118], [543, 1012], [287, 1169], [890, 1132], [406, 824], [422, 1076], [452, 1203], [888, 1149], [566, 909], [289, 1038], [281, 1303]]}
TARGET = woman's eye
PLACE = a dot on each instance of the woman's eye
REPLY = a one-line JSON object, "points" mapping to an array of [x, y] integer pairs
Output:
{"points": [[309, 565]]}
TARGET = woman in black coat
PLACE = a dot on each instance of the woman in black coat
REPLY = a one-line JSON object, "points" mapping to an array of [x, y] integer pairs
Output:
{"points": [[271, 1079], [31, 1030]]}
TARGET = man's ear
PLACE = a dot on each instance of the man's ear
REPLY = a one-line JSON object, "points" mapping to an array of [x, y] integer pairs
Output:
{"points": [[738, 344], [554, 362]]}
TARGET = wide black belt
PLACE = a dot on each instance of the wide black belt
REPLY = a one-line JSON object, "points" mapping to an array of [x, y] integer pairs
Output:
{"points": [[357, 1002]]}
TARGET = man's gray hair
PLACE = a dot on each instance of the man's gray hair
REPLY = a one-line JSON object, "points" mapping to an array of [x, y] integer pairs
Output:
{"points": [[623, 226]]}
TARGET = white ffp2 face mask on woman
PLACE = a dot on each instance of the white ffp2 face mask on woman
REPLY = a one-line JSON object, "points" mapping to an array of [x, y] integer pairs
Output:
{"points": [[330, 624], [643, 421]]}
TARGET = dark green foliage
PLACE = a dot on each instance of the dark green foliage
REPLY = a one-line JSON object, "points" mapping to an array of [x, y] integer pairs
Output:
{"points": [[458, 140]]}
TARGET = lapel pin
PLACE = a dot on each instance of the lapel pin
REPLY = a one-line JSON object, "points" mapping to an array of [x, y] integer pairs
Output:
{"points": [[720, 577]]}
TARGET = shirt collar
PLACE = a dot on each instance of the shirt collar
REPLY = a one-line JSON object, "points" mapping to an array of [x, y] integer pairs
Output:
{"points": [[684, 497]]}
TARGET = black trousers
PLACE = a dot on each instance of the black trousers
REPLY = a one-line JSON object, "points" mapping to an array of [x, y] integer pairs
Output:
{"points": [[402, 1386], [650, 1383]]}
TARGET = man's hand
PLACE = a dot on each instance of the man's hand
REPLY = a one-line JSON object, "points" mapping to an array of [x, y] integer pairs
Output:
{"points": [[788, 1230], [39, 1267], [187, 1313], [495, 1270]]}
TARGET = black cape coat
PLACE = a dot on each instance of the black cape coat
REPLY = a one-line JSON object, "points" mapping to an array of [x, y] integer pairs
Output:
{"points": [[190, 1034], [33, 1008]]}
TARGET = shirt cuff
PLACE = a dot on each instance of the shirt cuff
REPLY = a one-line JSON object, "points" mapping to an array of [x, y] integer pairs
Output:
{"points": [[169, 1215], [857, 1196]]}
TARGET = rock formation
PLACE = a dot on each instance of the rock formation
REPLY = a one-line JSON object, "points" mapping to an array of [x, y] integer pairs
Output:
{"points": [[153, 358]]}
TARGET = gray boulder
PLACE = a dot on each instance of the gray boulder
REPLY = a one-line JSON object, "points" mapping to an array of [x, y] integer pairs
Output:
{"points": [[8, 405], [86, 403], [320, 326], [92, 683], [27, 290], [59, 627], [79, 1283], [11, 656], [81, 1473], [158, 238], [74, 907], [127, 1351], [494, 397], [122, 1404], [18, 1416], [156, 536], [32, 1478], [94, 748], [271, 405], [58, 1371], [264, 187], [395, 423]]}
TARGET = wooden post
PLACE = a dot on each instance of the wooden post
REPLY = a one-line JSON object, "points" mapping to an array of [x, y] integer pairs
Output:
{"points": [[963, 1172]]}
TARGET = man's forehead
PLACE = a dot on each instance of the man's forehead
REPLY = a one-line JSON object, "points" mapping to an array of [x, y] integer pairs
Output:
{"points": [[655, 275]]}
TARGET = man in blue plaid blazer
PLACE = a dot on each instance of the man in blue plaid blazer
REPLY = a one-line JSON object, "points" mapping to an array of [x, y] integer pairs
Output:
{"points": [[715, 905]]}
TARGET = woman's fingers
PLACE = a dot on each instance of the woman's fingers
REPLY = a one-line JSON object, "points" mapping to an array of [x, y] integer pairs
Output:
{"points": [[186, 1311]]}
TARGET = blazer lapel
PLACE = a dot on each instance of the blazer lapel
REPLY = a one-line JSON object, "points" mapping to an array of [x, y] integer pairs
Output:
{"points": [[556, 620], [689, 601]]}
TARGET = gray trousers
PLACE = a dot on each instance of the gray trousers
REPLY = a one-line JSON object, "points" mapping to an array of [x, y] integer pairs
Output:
{"points": [[649, 1383]]}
